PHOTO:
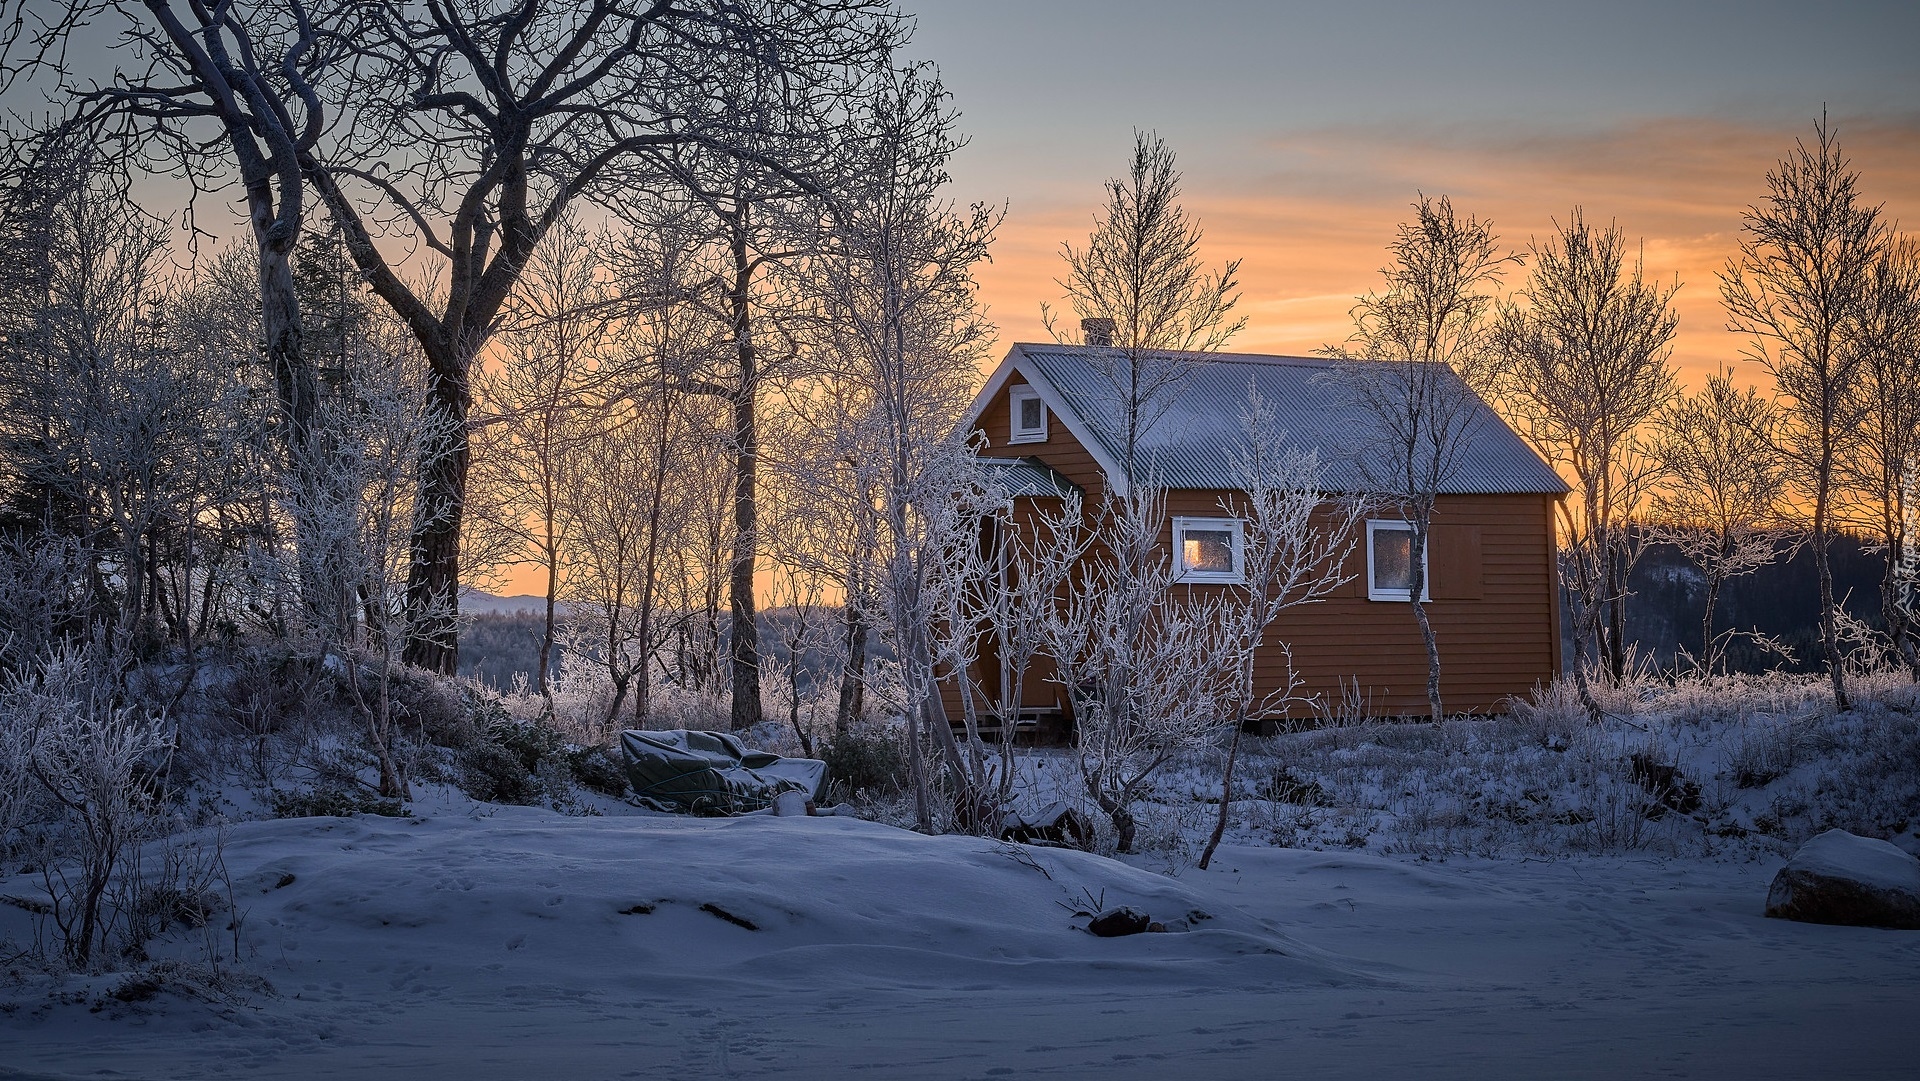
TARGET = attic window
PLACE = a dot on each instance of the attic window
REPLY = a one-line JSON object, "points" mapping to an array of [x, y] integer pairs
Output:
{"points": [[1029, 415], [1209, 549], [1390, 562]]}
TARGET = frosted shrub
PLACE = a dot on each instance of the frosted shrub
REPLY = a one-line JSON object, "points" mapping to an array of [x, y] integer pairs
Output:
{"points": [[1552, 714], [98, 761], [19, 792]]}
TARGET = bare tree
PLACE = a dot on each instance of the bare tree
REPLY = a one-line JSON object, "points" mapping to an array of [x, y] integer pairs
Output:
{"points": [[111, 426], [453, 135], [222, 94], [1419, 349], [1140, 657], [1002, 589], [1807, 253], [824, 503], [1721, 492], [609, 506], [897, 292], [1880, 475], [1584, 368], [760, 223], [557, 328], [361, 509], [1147, 308], [1296, 542], [96, 756], [665, 333], [1143, 296]]}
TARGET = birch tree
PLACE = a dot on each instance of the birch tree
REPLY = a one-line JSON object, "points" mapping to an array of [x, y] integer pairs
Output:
{"points": [[898, 294], [1585, 367], [1143, 296], [1723, 485], [1880, 475], [1419, 348], [1296, 541], [1799, 282]]}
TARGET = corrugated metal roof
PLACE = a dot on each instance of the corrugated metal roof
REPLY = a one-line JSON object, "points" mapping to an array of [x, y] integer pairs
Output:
{"points": [[1191, 444], [1027, 477]]}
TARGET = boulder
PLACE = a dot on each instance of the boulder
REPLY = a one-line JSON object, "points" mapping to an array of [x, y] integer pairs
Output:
{"points": [[1114, 922], [1057, 824], [1855, 881]]}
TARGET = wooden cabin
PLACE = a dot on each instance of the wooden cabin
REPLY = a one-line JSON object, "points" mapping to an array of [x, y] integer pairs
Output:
{"points": [[1047, 412]]}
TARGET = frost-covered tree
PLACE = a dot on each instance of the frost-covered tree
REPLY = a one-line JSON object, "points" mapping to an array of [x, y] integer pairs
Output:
{"points": [[1296, 541], [552, 343], [1421, 346], [1140, 656], [1879, 477], [1584, 368], [896, 290], [1807, 253], [1143, 296], [1721, 492], [455, 133]]}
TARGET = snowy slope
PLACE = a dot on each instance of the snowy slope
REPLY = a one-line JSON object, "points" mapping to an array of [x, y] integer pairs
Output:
{"points": [[531, 945]]}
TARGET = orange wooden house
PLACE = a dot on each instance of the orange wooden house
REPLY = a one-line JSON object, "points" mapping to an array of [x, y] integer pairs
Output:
{"points": [[1050, 416]]}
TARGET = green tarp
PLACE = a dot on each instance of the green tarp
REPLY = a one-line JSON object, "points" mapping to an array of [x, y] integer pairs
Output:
{"points": [[713, 772]]}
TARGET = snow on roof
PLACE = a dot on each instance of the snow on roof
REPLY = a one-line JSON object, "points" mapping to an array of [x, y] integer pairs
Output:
{"points": [[1191, 443], [1027, 477]]}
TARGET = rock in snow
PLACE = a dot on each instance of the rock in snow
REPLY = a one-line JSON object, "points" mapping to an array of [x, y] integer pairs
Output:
{"points": [[1124, 920], [1856, 881]]}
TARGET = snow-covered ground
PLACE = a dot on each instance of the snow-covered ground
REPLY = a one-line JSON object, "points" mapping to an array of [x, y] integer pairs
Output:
{"points": [[519, 943]]}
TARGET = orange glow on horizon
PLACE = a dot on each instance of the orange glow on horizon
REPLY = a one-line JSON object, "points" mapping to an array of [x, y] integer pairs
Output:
{"points": [[1312, 236], [1311, 225]]}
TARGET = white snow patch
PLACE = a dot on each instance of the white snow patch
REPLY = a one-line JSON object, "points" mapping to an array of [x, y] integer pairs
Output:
{"points": [[1867, 860], [531, 944]]}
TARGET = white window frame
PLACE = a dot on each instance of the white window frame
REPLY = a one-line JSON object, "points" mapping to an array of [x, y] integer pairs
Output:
{"points": [[1185, 574], [1396, 525], [1015, 398]]}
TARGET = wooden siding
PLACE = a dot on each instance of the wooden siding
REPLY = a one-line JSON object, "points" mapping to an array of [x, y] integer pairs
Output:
{"points": [[1494, 606]]}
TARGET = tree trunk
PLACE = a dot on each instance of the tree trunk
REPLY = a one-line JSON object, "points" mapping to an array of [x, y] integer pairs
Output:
{"points": [[297, 388], [643, 691], [433, 580], [1707, 651], [1616, 610], [745, 638], [1417, 585], [1829, 626], [1226, 795], [546, 628], [853, 680], [1125, 828], [1893, 585]]}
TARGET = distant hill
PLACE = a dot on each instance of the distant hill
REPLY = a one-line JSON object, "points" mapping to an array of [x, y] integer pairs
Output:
{"points": [[480, 602]]}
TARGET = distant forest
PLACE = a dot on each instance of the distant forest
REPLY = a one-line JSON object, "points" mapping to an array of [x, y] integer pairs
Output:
{"points": [[1781, 600]]}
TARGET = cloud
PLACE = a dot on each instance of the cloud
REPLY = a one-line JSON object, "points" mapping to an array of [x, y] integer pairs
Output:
{"points": [[1310, 212]]}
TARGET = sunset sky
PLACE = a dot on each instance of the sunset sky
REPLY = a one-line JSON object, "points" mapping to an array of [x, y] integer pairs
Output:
{"points": [[1304, 130]]}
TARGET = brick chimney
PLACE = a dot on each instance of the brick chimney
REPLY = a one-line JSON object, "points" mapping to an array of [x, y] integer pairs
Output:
{"points": [[1098, 332]]}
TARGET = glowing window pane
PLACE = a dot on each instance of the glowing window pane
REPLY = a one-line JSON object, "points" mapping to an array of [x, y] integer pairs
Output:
{"points": [[1393, 559], [1207, 550]]}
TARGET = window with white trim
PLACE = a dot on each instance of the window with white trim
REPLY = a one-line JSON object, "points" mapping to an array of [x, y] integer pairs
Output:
{"points": [[1209, 549], [1029, 416], [1390, 562]]}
